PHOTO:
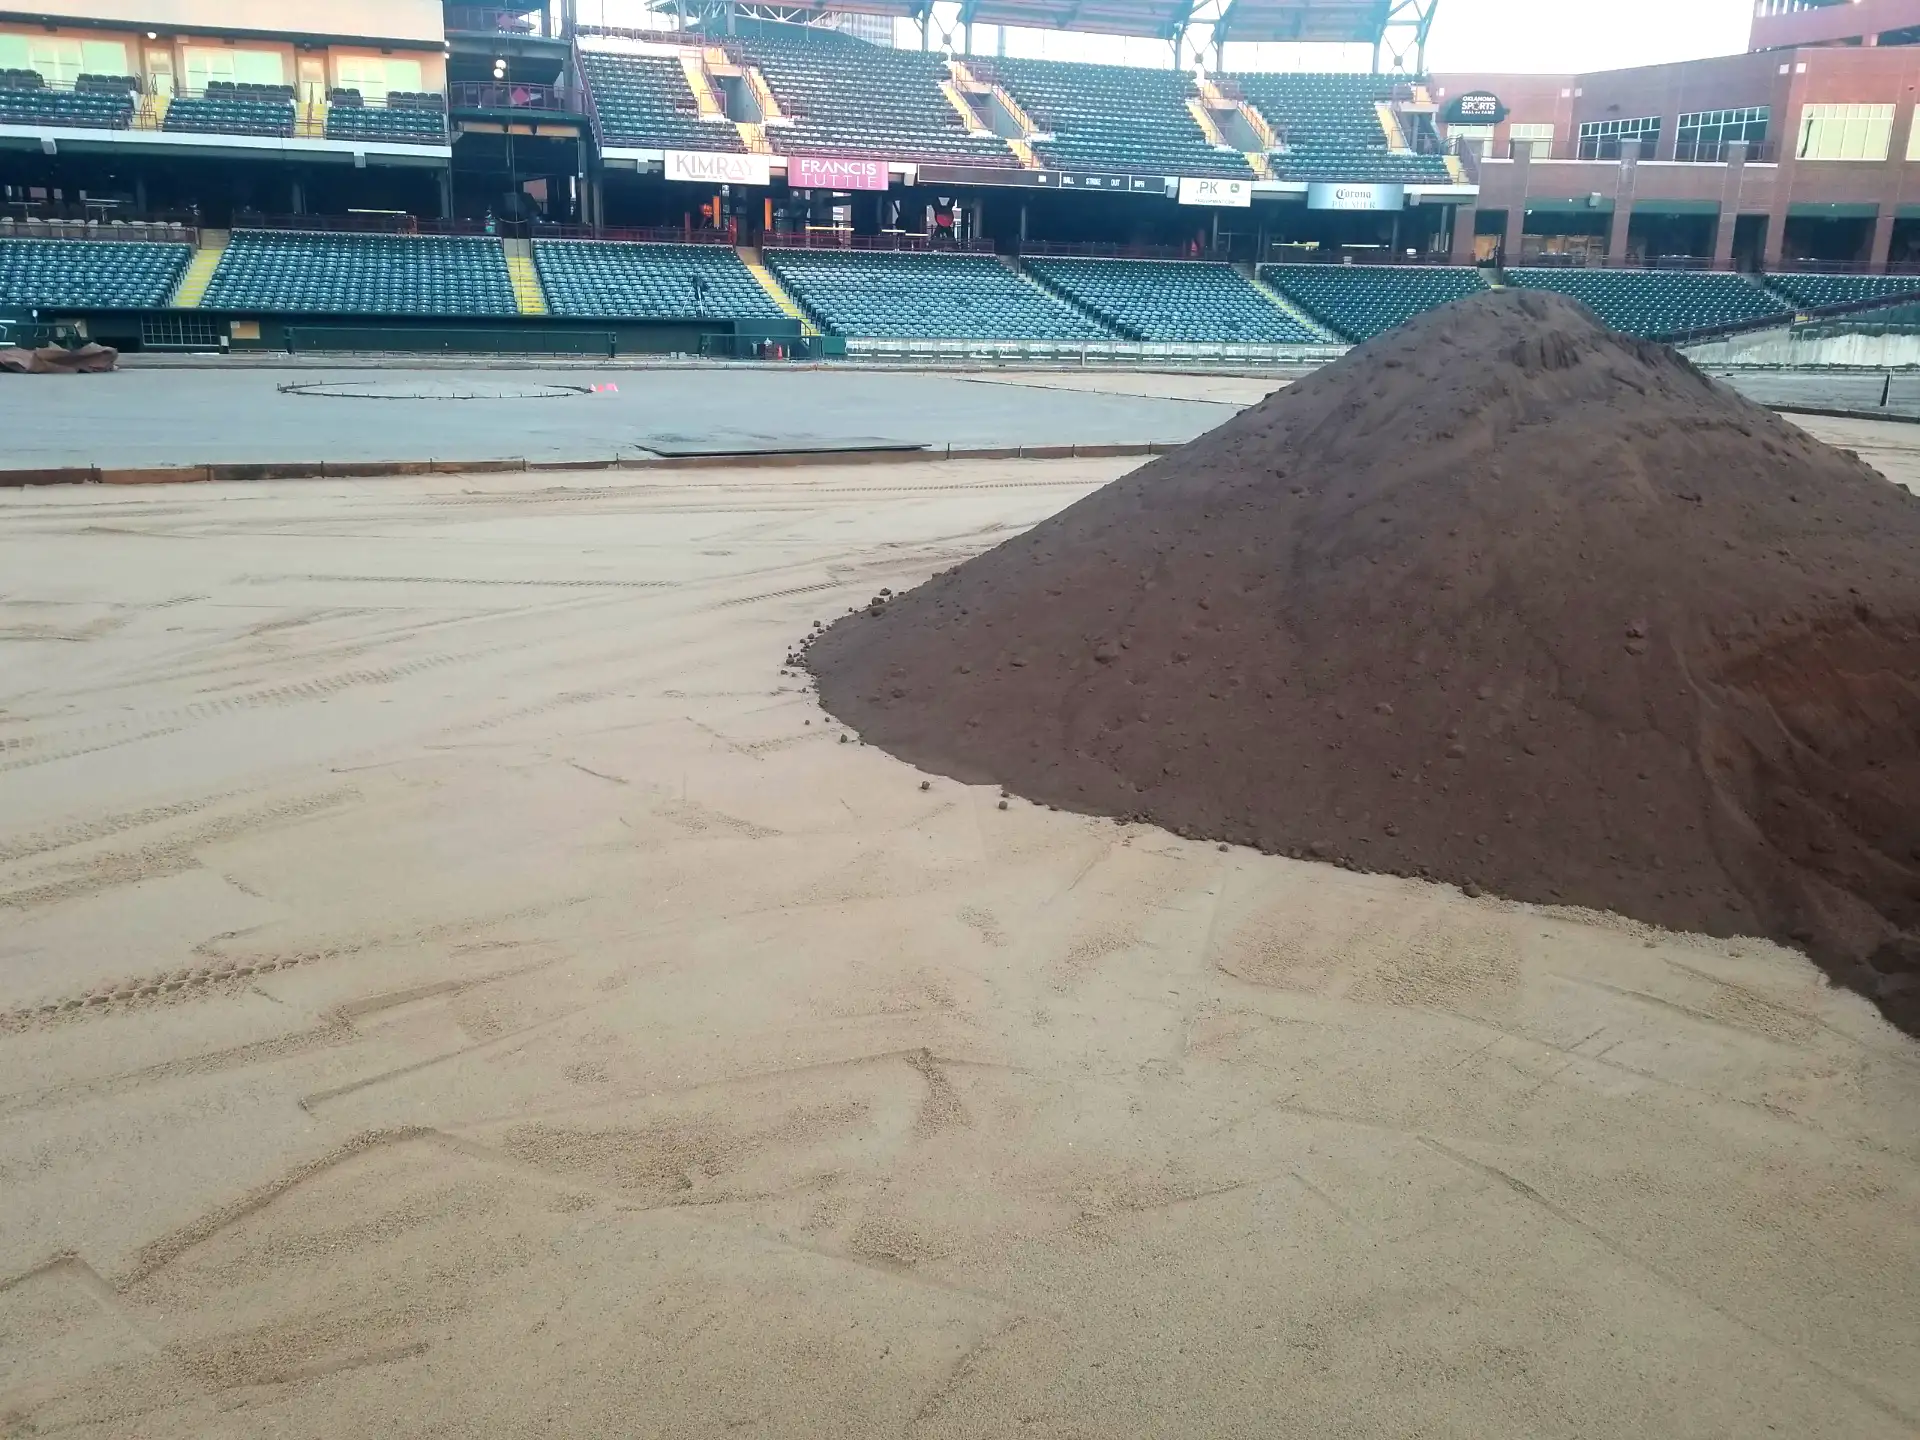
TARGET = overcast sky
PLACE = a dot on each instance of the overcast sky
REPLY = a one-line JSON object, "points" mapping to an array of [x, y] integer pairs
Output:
{"points": [[1578, 35], [1489, 35]]}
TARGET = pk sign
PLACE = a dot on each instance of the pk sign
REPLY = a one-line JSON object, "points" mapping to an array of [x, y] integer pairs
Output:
{"points": [[1216, 192]]}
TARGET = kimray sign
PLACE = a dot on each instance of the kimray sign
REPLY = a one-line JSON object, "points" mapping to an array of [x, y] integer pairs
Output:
{"points": [[712, 167], [1356, 197], [1215, 192]]}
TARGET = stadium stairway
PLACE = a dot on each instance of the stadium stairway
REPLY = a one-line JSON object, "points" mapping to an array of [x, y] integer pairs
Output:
{"points": [[1197, 107], [695, 65], [1390, 126], [975, 125], [199, 272], [1281, 302], [152, 113], [310, 120], [770, 111], [1058, 296], [756, 264], [528, 297], [1213, 98], [964, 85]]}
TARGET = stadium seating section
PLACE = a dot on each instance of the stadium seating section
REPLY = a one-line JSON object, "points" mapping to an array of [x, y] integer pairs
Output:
{"points": [[1657, 303], [24, 100], [606, 280], [90, 274], [1113, 118], [1361, 301], [404, 119], [1331, 129], [303, 273], [230, 112], [918, 295], [643, 100], [1812, 292], [1172, 300], [848, 97]]}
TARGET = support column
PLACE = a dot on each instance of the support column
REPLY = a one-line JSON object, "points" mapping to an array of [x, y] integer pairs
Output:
{"points": [[1623, 201], [1729, 205], [140, 196], [1892, 173], [1517, 205], [446, 193], [1466, 215]]}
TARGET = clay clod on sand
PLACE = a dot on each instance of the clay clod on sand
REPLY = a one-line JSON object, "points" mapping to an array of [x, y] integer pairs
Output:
{"points": [[1500, 599]]}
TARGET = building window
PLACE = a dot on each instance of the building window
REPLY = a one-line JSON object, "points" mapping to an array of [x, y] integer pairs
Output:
{"points": [[374, 75], [1536, 140], [1845, 132], [59, 60], [1706, 134], [1600, 139], [234, 67]]}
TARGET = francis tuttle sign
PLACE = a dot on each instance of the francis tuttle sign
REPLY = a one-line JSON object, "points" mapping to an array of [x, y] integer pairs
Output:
{"points": [[835, 172]]}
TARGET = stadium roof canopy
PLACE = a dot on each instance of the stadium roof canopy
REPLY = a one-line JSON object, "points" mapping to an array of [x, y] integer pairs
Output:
{"points": [[1358, 22], [1312, 22]]}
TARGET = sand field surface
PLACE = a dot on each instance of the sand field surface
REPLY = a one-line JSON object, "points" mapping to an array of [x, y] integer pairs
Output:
{"points": [[453, 983]]}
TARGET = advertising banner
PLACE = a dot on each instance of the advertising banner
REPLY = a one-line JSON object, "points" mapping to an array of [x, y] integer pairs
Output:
{"points": [[1356, 197], [1476, 107], [835, 172], [1043, 179], [713, 167], [1215, 192]]}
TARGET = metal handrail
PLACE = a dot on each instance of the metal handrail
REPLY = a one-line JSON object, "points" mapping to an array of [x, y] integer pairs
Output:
{"points": [[514, 95], [638, 235], [36, 227], [498, 20], [370, 223], [846, 240]]}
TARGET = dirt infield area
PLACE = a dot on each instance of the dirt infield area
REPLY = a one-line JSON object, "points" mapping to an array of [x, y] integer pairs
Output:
{"points": [[454, 982]]}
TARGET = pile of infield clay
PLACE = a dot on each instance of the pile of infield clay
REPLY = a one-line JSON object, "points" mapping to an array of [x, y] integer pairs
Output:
{"points": [[1502, 599]]}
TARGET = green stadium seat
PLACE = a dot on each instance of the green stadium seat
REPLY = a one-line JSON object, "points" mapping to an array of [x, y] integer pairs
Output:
{"points": [[91, 105], [846, 97], [1331, 129], [1657, 304], [230, 113], [643, 101], [1173, 300], [1362, 301], [1815, 292], [405, 119], [610, 280], [1113, 118], [300, 272], [922, 295], [91, 274]]}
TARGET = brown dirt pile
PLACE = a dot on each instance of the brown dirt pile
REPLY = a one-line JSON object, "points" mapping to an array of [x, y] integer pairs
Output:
{"points": [[1502, 599]]}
